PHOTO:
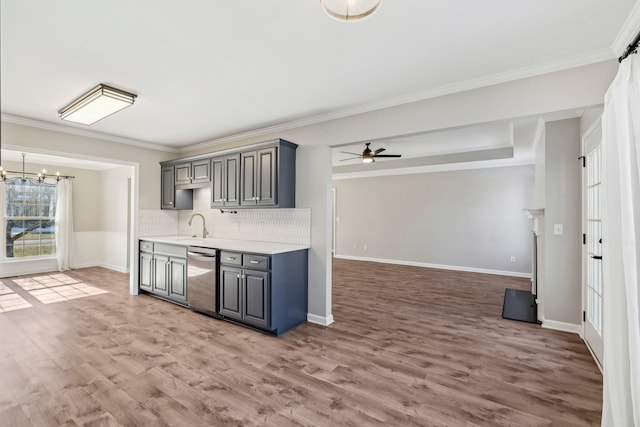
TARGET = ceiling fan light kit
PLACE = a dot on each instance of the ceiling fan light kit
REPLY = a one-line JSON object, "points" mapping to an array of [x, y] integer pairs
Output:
{"points": [[350, 10], [368, 156], [95, 105]]}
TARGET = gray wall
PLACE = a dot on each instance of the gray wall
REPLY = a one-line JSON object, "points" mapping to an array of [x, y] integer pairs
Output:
{"points": [[562, 253], [469, 218]]}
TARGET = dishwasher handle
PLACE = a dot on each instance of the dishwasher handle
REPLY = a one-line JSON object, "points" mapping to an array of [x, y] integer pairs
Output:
{"points": [[200, 255]]}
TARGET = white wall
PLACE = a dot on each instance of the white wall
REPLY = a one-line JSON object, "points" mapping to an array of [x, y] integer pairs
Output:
{"points": [[45, 141], [562, 253], [468, 220]]}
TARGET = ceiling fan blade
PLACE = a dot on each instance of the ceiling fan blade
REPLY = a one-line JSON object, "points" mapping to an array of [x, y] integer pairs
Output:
{"points": [[350, 158], [378, 151], [353, 154], [389, 155]]}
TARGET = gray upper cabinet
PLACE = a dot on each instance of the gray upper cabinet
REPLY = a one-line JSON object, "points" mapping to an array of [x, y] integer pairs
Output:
{"points": [[262, 175], [195, 172], [183, 173], [269, 176], [168, 188], [171, 197], [259, 177], [225, 181]]}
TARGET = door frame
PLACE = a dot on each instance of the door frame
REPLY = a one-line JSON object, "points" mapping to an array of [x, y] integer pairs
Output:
{"points": [[597, 125]]}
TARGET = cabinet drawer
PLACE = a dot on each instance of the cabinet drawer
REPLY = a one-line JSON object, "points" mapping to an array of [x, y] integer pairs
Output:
{"points": [[256, 261], [230, 258], [171, 250], [146, 247]]}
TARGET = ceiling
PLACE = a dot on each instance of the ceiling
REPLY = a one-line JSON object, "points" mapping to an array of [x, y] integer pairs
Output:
{"points": [[206, 70]]}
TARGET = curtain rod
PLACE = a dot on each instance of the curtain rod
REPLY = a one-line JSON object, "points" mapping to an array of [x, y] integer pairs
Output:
{"points": [[631, 49]]}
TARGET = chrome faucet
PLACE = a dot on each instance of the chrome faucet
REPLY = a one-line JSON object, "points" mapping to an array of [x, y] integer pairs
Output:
{"points": [[205, 233]]}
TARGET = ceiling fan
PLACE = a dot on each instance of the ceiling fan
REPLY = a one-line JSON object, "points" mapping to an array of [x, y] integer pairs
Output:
{"points": [[369, 156]]}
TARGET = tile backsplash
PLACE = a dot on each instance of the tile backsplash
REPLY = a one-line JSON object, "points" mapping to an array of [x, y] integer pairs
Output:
{"points": [[268, 225], [157, 222]]}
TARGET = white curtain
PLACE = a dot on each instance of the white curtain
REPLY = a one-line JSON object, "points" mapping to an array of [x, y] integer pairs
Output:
{"points": [[621, 256], [64, 225]]}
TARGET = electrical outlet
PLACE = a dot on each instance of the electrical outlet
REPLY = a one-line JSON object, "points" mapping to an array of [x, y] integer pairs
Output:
{"points": [[355, 246], [364, 247], [512, 259]]}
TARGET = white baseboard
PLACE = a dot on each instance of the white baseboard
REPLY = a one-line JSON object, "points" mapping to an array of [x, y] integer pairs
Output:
{"points": [[114, 267], [85, 265], [320, 320], [439, 266], [562, 326]]}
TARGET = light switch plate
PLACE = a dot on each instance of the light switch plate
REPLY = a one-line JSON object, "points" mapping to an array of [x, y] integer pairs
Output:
{"points": [[557, 229]]}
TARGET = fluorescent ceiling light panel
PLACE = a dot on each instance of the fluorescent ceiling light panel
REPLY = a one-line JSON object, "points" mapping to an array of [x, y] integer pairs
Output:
{"points": [[98, 103]]}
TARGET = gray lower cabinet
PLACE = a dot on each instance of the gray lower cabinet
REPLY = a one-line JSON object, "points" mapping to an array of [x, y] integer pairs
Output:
{"points": [[163, 270], [267, 292]]}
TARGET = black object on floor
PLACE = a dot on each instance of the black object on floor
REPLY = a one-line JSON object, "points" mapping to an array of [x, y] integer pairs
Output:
{"points": [[520, 305]]}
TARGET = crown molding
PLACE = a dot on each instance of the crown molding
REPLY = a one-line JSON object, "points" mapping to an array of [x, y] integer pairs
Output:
{"points": [[591, 57], [82, 132], [628, 31]]}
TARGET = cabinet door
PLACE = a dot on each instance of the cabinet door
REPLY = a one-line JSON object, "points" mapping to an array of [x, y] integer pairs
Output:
{"points": [[248, 170], [230, 292], [161, 279], [200, 171], [168, 188], [217, 182], [256, 297], [146, 271], [232, 180], [183, 173], [178, 278], [266, 177]]}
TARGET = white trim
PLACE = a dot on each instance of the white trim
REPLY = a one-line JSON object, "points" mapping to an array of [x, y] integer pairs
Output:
{"points": [[320, 320], [481, 164], [87, 264], [438, 266], [562, 326], [113, 267], [592, 354], [628, 31], [591, 57], [83, 132]]}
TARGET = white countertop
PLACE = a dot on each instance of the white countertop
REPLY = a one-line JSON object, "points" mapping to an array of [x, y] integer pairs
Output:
{"points": [[254, 246]]}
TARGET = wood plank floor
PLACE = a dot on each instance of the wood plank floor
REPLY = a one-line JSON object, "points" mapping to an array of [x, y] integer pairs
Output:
{"points": [[409, 347]]}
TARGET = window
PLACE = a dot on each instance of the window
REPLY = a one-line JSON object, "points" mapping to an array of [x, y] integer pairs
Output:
{"points": [[29, 219]]}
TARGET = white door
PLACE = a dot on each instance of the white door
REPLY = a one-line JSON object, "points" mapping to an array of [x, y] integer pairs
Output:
{"points": [[592, 249]]}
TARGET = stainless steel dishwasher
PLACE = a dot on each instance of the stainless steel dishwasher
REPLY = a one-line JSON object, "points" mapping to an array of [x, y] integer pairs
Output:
{"points": [[201, 280]]}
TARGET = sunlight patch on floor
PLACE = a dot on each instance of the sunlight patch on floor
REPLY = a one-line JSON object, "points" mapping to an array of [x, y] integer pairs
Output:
{"points": [[47, 289], [11, 302]]}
